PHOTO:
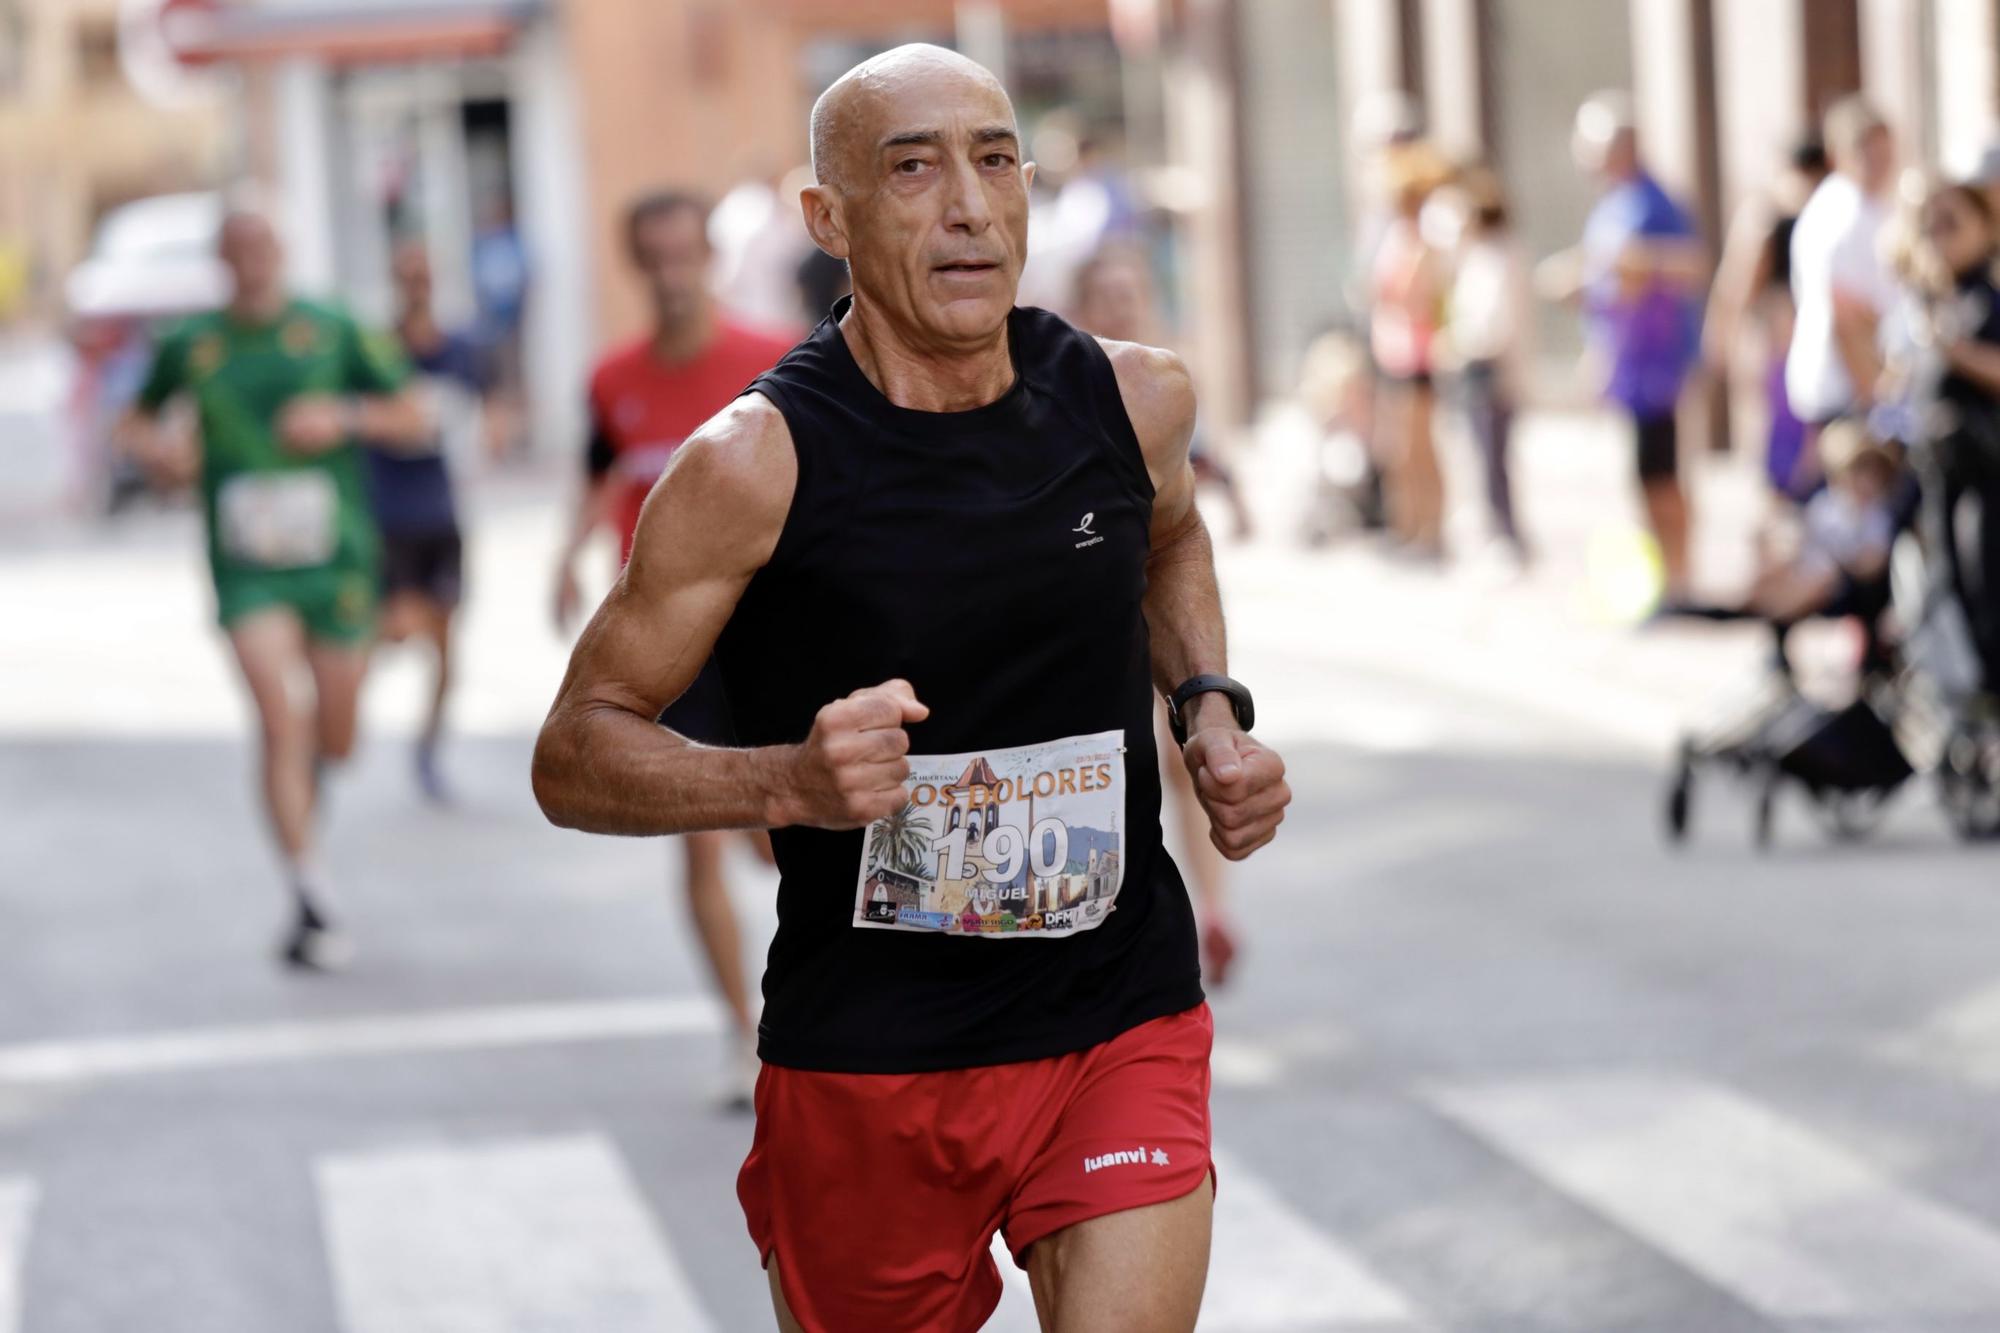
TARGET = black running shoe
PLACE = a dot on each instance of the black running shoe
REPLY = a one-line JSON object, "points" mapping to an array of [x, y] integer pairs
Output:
{"points": [[314, 944]]}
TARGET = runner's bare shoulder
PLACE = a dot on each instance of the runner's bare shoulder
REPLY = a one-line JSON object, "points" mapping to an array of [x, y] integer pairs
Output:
{"points": [[1159, 398], [728, 488]]}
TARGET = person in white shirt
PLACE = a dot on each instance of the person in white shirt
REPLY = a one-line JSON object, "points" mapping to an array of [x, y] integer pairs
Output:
{"points": [[1841, 281], [1488, 321]]}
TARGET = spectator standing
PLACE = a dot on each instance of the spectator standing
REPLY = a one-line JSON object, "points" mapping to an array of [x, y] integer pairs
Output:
{"points": [[1486, 331], [1753, 290], [1636, 274], [1406, 301], [1841, 281]]}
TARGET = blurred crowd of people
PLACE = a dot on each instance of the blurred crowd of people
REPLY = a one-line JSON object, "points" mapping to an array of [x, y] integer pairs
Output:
{"points": [[1845, 291]]}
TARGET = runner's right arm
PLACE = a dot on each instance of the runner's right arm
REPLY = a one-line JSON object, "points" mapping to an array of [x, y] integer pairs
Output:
{"points": [[168, 457], [593, 510], [602, 762]]}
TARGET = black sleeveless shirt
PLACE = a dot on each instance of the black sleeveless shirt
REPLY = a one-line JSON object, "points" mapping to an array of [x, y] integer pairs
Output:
{"points": [[996, 559]]}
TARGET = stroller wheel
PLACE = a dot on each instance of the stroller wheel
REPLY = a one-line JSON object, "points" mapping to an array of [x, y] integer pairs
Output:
{"points": [[1969, 782], [1850, 815], [1767, 809], [1677, 805]]}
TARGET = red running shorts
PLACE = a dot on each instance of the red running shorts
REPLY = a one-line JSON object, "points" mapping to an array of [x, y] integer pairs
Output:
{"points": [[881, 1193]]}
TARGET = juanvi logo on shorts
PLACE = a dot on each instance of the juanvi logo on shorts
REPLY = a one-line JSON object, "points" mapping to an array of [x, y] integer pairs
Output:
{"points": [[1126, 1157]]}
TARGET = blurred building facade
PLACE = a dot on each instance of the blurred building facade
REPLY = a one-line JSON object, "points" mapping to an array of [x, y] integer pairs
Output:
{"points": [[78, 137], [461, 118]]}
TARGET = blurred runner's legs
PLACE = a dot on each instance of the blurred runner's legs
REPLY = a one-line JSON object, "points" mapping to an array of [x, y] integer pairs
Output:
{"points": [[423, 549], [281, 389], [645, 398]]}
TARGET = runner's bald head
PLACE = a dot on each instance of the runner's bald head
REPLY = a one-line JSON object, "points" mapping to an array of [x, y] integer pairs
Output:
{"points": [[845, 118]]}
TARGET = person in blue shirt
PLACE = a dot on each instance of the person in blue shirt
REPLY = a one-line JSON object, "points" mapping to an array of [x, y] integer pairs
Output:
{"points": [[422, 548], [1638, 274]]}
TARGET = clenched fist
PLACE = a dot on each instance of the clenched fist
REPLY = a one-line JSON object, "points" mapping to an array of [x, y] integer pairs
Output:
{"points": [[313, 423], [1241, 783], [850, 771]]}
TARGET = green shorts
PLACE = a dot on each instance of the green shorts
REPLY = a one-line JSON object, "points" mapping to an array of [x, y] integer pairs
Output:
{"points": [[336, 603]]}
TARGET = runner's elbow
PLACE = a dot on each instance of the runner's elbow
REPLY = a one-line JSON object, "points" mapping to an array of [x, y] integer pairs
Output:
{"points": [[553, 773]]}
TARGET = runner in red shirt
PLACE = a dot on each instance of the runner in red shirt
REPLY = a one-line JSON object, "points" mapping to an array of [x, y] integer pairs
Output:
{"points": [[645, 398]]}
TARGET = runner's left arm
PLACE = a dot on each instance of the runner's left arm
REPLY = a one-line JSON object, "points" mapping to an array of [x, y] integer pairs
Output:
{"points": [[1240, 780]]}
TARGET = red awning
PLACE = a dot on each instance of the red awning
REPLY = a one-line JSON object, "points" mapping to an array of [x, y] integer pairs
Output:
{"points": [[348, 34]]}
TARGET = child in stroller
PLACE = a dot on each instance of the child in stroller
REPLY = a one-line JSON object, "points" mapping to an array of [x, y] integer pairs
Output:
{"points": [[1841, 562], [1847, 760]]}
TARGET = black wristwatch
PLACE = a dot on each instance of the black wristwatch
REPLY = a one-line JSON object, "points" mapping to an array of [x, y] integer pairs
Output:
{"points": [[1177, 702]]}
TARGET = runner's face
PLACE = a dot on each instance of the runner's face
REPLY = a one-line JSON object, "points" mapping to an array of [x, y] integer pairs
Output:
{"points": [[671, 251], [249, 249], [412, 270], [937, 221]]}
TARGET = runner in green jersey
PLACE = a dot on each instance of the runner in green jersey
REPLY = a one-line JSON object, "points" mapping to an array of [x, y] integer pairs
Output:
{"points": [[281, 387]]}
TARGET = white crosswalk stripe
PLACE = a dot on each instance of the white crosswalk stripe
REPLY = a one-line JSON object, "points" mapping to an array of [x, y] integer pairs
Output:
{"points": [[522, 1236], [1270, 1268], [17, 1208], [1760, 1206]]}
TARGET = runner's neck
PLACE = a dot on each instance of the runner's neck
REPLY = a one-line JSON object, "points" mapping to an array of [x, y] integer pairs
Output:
{"points": [[258, 310], [927, 380]]}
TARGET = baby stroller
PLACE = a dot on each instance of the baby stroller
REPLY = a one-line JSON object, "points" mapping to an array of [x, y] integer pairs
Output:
{"points": [[1847, 761], [1928, 695]]}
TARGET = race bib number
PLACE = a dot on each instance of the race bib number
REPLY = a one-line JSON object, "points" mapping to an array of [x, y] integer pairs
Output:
{"points": [[279, 520], [1003, 844]]}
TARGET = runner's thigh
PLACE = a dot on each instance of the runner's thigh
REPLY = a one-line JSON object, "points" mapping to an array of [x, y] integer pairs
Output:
{"points": [[270, 646], [1138, 1271]]}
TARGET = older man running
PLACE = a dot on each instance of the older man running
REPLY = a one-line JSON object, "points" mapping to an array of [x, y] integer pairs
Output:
{"points": [[944, 553]]}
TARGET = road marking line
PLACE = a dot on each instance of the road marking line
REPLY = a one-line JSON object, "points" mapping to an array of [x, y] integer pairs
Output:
{"points": [[1795, 1226], [520, 1236], [1960, 1040], [1270, 1267], [384, 1034], [17, 1207]]}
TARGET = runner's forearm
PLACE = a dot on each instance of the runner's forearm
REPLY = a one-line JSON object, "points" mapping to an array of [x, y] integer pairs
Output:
{"points": [[592, 506], [393, 419], [601, 768], [1184, 606]]}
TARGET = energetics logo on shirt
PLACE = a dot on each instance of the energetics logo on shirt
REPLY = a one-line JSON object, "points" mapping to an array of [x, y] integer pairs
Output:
{"points": [[1130, 1157]]}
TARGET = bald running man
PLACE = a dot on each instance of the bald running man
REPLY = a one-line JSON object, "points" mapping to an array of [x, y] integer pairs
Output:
{"points": [[282, 389], [944, 554]]}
